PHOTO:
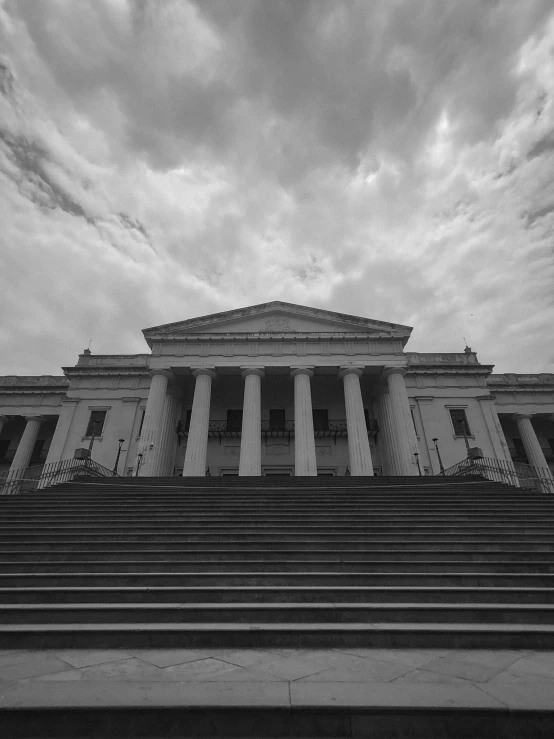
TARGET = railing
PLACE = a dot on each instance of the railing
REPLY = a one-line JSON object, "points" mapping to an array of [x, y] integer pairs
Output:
{"points": [[333, 428], [44, 475], [512, 473]]}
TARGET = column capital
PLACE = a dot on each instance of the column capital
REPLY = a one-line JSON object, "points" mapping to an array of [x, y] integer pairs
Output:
{"points": [[351, 370], [294, 371], [522, 416], [199, 371], [35, 418], [258, 371], [388, 371], [164, 372]]}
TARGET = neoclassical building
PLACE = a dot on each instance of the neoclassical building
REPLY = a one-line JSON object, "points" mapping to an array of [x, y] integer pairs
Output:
{"points": [[277, 389]]}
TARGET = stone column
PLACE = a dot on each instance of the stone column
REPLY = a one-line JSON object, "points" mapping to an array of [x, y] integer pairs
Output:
{"points": [[197, 445], [531, 444], [385, 431], [251, 438], [170, 443], [150, 439], [358, 442], [305, 464], [496, 433], [403, 442], [164, 436], [60, 441], [26, 443]]}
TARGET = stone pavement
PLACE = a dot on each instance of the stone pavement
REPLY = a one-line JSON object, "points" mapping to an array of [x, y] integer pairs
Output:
{"points": [[505, 680]]}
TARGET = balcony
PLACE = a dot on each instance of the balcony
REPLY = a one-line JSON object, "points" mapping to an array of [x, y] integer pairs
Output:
{"points": [[335, 428]]}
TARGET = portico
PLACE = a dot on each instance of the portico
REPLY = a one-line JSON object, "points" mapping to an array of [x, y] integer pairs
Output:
{"points": [[276, 368], [255, 432]]}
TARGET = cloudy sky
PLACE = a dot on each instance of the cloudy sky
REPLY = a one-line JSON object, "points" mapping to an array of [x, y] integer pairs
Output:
{"points": [[163, 159]]}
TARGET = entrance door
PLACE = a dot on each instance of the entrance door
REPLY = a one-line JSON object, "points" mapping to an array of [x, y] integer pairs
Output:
{"points": [[277, 472]]}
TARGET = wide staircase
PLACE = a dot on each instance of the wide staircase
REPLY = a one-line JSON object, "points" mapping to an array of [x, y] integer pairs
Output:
{"points": [[446, 563]]}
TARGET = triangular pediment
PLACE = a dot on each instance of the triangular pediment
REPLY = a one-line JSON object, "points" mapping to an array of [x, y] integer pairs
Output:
{"points": [[277, 318]]}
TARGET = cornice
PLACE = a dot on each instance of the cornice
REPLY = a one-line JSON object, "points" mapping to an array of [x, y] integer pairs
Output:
{"points": [[272, 336], [113, 371], [458, 369]]}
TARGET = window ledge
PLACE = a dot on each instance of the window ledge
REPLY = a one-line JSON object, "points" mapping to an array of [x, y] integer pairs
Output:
{"points": [[467, 436], [88, 438]]}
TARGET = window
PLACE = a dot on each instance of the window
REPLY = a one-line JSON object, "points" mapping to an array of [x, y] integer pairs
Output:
{"points": [[321, 419], [234, 420], [459, 421], [142, 420], [96, 422], [277, 419]]}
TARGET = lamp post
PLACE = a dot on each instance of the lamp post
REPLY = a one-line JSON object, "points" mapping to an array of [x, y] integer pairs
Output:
{"points": [[462, 425], [117, 458], [416, 455], [441, 466], [139, 464], [92, 437]]}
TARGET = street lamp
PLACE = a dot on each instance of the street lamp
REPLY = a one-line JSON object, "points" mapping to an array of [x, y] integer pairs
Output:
{"points": [[92, 436], [416, 455], [462, 425], [117, 458], [441, 466], [139, 463]]}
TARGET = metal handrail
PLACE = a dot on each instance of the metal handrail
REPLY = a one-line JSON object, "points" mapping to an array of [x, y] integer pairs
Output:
{"points": [[37, 477], [520, 475]]}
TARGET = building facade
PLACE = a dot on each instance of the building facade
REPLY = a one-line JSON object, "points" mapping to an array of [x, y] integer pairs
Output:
{"points": [[277, 389]]}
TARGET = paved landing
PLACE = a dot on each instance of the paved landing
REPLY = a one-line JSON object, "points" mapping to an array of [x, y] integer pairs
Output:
{"points": [[279, 678]]}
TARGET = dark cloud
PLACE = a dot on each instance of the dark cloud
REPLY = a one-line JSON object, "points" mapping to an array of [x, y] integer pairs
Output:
{"points": [[339, 77], [542, 146], [382, 158], [33, 178]]}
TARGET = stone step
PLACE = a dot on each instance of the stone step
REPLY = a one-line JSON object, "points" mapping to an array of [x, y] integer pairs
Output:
{"points": [[478, 572], [368, 544], [277, 594], [55, 495], [273, 613], [381, 710], [217, 520], [247, 529], [279, 538], [237, 635], [195, 551], [341, 578]]}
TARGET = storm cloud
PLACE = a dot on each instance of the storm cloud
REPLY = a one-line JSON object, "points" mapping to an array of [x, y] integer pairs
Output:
{"points": [[166, 159]]}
